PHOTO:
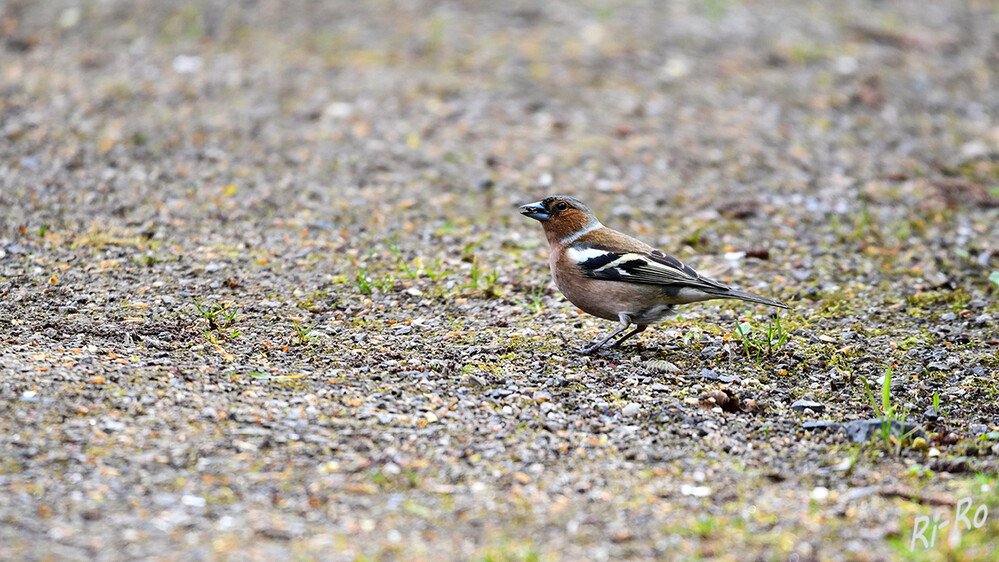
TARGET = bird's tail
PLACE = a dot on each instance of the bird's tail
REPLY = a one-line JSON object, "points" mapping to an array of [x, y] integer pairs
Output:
{"points": [[748, 297]]}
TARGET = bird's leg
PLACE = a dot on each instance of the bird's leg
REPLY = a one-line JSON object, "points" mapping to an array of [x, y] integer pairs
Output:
{"points": [[638, 330], [625, 323]]}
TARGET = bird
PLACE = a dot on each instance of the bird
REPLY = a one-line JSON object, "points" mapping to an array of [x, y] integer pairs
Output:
{"points": [[613, 276]]}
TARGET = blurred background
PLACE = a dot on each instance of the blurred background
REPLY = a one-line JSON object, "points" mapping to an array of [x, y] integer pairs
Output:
{"points": [[147, 111]]}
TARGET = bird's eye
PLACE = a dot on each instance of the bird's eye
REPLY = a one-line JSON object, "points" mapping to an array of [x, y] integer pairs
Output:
{"points": [[561, 206]]}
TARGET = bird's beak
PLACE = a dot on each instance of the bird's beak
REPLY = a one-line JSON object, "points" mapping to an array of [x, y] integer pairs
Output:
{"points": [[536, 211]]}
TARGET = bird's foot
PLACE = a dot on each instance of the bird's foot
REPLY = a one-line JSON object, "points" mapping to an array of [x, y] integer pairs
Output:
{"points": [[590, 350]]}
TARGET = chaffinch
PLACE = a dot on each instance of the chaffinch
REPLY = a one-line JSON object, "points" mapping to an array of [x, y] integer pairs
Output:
{"points": [[614, 276]]}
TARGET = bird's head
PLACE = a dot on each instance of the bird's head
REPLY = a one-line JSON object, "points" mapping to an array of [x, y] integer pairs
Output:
{"points": [[561, 216]]}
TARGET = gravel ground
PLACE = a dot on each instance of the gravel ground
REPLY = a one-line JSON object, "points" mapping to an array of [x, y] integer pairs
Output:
{"points": [[264, 292]]}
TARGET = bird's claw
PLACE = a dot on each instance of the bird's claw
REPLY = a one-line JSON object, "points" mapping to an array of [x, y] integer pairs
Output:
{"points": [[593, 349]]}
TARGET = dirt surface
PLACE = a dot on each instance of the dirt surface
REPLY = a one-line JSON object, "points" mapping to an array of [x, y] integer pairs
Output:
{"points": [[265, 294]]}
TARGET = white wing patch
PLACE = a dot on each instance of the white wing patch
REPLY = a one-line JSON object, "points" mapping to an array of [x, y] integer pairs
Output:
{"points": [[579, 256]]}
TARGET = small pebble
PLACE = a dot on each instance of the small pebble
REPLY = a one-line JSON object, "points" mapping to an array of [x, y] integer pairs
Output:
{"points": [[802, 405], [819, 493], [193, 501], [976, 429], [696, 491], [820, 425]]}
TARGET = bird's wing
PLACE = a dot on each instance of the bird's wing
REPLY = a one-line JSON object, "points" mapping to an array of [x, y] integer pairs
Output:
{"points": [[653, 268]]}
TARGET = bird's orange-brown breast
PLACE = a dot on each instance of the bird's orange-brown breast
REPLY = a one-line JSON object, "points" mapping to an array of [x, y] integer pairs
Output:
{"points": [[604, 299]]}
